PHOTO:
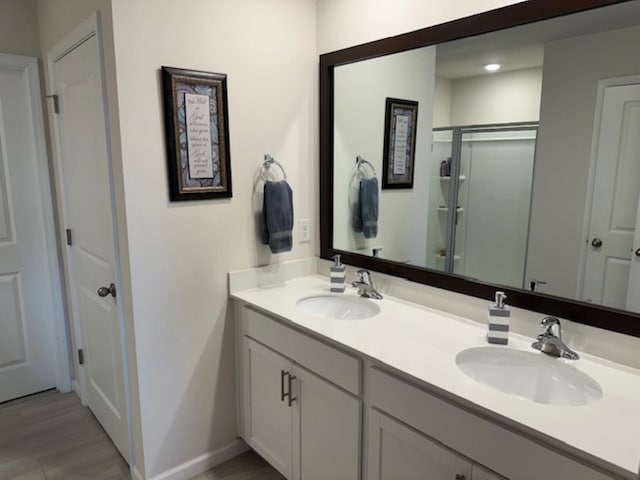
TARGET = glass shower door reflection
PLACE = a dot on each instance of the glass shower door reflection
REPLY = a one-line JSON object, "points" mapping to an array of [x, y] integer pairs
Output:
{"points": [[480, 201], [492, 232]]}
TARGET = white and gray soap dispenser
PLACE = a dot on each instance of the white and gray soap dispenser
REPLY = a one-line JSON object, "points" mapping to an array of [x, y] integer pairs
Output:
{"points": [[338, 275], [499, 314]]}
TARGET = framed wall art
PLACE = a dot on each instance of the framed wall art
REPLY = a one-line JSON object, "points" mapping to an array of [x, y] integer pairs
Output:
{"points": [[399, 154], [197, 134]]}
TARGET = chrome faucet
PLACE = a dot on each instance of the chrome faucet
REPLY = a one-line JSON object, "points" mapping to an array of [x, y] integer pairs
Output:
{"points": [[365, 287], [550, 340]]}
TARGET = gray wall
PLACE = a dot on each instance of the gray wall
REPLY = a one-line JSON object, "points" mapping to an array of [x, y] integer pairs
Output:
{"points": [[572, 69], [19, 27]]}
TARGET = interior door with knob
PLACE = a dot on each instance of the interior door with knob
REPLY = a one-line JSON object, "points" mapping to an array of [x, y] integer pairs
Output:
{"points": [[615, 196], [84, 174], [28, 306], [633, 292]]}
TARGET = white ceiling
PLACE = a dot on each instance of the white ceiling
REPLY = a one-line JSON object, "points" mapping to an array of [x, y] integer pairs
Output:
{"points": [[523, 47]]}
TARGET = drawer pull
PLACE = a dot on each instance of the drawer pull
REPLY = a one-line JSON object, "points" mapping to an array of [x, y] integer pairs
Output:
{"points": [[283, 395], [291, 397]]}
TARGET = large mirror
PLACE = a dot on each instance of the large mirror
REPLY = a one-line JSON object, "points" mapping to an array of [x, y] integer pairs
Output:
{"points": [[509, 158]]}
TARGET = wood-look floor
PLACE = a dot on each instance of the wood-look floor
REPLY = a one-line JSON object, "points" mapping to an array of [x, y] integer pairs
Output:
{"points": [[51, 436], [249, 466]]}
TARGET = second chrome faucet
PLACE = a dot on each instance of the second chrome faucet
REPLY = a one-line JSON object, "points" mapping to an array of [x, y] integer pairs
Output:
{"points": [[365, 287], [550, 340]]}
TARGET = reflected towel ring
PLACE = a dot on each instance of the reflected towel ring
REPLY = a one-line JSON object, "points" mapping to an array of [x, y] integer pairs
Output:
{"points": [[361, 161], [266, 164]]}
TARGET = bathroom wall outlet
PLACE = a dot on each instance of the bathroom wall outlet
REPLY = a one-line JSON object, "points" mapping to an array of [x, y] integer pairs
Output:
{"points": [[304, 231]]}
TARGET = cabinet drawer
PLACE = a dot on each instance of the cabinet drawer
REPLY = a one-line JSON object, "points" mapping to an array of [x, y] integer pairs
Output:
{"points": [[500, 449], [328, 362]]}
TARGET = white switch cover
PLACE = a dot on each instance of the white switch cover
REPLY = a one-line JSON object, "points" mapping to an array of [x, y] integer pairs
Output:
{"points": [[304, 228]]}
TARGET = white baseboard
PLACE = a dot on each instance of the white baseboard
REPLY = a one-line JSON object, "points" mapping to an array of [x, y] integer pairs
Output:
{"points": [[204, 462], [136, 474]]}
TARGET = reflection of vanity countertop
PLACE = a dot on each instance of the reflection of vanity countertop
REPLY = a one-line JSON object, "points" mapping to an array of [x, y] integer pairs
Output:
{"points": [[423, 343]]}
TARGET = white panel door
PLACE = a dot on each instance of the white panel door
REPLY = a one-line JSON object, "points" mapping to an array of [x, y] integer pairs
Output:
{"points": [[615, 197], [85, 177], [270, 414], [327, 437], [27, 356], [633, 292], [397, 452]]}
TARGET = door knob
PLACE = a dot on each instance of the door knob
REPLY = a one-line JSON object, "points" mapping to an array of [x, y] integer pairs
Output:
{"points": [[638, 252], [596, 242], [110, 290]]}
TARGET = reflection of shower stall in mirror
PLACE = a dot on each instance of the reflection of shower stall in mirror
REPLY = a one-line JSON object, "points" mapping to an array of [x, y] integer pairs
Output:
{"points": [[480, 200]]}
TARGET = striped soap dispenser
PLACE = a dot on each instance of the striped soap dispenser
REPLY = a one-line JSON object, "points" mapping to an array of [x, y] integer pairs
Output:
{"points": [[499, 314], [338, 275]]}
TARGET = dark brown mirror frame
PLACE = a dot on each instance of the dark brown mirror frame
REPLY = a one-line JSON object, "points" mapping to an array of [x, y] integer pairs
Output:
{"points": [[510, 16]]}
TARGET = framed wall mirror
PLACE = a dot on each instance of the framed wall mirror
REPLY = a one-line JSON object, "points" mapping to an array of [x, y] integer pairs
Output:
{"points": [[527, 157]]}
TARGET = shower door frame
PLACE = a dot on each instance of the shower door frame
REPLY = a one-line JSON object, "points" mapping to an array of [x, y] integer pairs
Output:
{"points": [[457, 134]]}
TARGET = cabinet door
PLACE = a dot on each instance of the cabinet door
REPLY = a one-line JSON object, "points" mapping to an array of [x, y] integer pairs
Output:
{"points": [[327, 430], [270, 418], [396, 452], [481, 473]]}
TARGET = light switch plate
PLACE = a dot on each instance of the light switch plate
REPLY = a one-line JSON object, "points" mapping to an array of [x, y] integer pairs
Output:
{"points": [[304, 230]]}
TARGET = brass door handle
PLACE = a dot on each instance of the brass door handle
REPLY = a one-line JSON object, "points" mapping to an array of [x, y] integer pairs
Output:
{"points": [[110, 290]]}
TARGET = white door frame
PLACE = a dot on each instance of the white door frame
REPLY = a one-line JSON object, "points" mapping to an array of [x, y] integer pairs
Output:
{"points": [[29, 65], [87, 29], [595, 140]]}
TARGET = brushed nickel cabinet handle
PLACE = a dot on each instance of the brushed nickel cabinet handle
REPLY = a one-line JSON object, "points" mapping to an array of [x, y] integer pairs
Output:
{"points": [[283, 394], [291, 397]]}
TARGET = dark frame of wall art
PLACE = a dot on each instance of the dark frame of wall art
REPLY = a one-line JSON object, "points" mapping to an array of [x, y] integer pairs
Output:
{"points": [[399, 154], [196, 122]]}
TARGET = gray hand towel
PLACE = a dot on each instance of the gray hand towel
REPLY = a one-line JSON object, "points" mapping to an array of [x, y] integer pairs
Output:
{"points": [[365, 215], [277, 216]]}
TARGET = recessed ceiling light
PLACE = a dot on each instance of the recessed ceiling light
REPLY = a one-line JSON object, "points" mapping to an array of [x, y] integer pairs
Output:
{"points": [[492, 67]]}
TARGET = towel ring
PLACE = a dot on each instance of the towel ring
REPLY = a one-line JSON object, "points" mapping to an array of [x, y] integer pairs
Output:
{"points": [[266, 164], [361, 161]]}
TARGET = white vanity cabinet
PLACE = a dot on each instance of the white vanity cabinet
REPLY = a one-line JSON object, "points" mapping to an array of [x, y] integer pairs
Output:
{"points": [[303, 423], [302, 401], [398, 452], [461, 435], [270, 419]]}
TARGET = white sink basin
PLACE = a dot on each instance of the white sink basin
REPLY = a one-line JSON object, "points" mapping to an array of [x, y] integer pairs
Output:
{"points": [[339, 307], [530, 375]]}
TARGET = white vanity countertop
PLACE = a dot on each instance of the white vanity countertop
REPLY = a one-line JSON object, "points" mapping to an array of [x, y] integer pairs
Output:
{"points": [[423, 343]]}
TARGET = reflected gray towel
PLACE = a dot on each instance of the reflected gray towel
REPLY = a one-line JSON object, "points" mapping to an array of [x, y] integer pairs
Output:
{"points": [[365, 215], [277, 216]]}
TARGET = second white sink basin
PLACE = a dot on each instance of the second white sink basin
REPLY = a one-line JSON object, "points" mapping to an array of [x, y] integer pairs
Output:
{"points": [[530, 375], [339, 307]]}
